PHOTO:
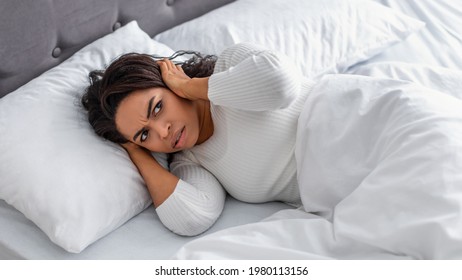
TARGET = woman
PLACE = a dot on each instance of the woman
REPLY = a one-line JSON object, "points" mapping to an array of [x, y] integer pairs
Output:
{"points": [[233, 129]]}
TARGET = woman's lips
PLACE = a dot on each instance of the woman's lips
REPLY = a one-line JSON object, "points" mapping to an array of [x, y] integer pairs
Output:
{"points": [[179, 139]]}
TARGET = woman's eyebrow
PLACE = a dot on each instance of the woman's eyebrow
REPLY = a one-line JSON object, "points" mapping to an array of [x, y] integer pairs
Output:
{"points": [[148, 115]]}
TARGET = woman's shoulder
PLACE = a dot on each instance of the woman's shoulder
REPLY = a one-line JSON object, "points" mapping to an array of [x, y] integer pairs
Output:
{"points": [[183, 156], [244, 47], [235, 54]]}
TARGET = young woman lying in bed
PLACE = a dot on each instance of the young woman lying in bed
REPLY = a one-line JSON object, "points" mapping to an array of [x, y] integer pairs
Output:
{"points": [[254, 124], [232, 126]]}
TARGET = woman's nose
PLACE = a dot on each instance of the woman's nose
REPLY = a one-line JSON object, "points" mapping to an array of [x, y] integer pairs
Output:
{"points": [[163, 129]]}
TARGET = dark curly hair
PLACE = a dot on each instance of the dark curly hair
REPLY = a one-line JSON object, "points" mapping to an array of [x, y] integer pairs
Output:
{"points": [[128, 73]]}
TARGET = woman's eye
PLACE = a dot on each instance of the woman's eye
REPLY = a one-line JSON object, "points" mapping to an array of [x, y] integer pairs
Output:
{"points": [[144, 136], [158, 107]]}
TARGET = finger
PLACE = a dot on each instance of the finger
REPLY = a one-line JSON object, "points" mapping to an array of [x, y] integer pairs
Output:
{"points": [[163, 62], [168, 63], [167, 67], [179, 68], [162, 65], [129, 145]]}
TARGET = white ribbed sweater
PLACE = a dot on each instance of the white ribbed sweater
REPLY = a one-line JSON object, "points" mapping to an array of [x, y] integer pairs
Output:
{"points": [[256, 97]]}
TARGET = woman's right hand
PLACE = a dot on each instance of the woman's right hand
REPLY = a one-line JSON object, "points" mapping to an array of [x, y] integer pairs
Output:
{"points": [[130, 146], [133, 149], [159, 181]]}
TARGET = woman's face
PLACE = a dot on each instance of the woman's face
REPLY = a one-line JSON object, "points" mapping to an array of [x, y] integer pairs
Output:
{"points": [[158, 120]]}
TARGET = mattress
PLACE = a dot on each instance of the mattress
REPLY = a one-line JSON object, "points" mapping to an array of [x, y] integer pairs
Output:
{"points": [[143, 237]]}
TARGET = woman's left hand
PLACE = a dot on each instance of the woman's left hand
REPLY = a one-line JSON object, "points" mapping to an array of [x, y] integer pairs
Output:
{"points": [[175, 78]]}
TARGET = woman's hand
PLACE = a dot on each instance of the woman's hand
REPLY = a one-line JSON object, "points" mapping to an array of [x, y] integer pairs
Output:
{"points": [[182, 85], [159, 181], [130, 147], [133, 149], [175, 78]]}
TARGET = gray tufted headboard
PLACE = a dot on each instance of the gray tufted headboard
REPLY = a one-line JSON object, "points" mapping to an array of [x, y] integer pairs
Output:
{"points": [[36, 35]]}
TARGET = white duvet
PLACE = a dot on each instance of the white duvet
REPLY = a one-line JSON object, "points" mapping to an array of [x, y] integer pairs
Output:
{"points": [[379, 162]]}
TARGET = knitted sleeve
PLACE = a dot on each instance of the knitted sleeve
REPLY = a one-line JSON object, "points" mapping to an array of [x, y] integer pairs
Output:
{"points": [[197, 201], [247, 77]]}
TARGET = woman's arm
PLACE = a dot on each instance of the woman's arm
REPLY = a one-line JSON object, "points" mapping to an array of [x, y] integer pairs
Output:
{"points": [[246, 77], [198, 199], [159, 181], [186, 206]]}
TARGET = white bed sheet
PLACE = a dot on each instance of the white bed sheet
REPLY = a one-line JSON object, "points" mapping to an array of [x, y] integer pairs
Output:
{"points": [[143, 237], [295, 234], [438, 44]]}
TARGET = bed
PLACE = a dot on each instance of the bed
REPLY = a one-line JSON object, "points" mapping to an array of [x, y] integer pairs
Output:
{"points": [[65, 194]]}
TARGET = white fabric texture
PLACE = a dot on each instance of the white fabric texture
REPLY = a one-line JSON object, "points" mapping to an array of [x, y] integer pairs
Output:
{"points": [[443, 79], [382, 159], [379, 161], [320, 36], [289, 234], [256, 97], [436, 44], [142, 237], [73, 185]]}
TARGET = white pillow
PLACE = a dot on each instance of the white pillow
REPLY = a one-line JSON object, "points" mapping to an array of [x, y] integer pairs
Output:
{"points": [[321, 36], [74, 185]]}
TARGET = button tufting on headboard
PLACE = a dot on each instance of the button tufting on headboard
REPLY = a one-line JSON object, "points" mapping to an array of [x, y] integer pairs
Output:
{"points": [[56, 52], [38, 35], [116, 26]]}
